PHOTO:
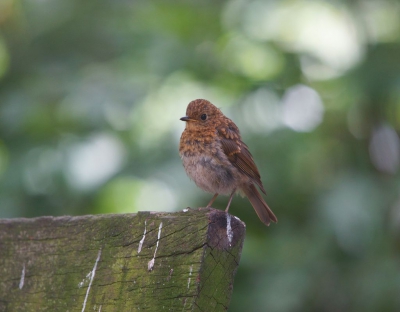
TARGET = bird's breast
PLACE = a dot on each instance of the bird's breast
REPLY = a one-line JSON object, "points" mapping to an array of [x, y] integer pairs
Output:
{"points": [[197, 142]]}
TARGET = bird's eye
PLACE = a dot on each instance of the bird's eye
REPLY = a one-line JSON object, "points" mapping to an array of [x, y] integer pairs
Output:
{"points": [[203, 117]]}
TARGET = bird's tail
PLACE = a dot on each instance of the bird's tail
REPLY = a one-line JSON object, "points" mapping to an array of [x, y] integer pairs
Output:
{"points": [[260, 206]]}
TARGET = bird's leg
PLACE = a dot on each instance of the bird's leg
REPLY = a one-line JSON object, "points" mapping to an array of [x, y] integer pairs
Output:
{"points": [[230, 199], [212, 200]]}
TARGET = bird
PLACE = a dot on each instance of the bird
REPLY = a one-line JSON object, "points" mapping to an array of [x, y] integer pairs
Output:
{"points": [[217, 160]]}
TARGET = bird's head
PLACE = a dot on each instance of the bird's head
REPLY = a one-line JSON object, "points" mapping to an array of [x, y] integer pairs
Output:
{"points": [[201, 113]]}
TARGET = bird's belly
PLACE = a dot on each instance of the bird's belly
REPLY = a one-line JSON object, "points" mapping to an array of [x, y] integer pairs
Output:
{"points": [[209, 174]]}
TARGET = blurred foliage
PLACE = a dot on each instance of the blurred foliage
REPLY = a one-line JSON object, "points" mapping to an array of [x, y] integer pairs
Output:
{"points": [[91, 93]]}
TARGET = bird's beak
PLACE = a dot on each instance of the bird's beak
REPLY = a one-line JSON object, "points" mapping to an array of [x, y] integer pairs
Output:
{"points": [[186, 118]]}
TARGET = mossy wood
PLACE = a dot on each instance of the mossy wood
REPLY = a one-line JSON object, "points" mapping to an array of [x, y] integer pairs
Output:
{"points": [[183, 261]]}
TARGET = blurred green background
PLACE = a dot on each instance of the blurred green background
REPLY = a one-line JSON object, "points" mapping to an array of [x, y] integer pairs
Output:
{"points": [[91, 93]]}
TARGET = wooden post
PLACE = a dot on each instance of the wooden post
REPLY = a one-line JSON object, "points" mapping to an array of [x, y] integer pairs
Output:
{"points": [[183, 261]]}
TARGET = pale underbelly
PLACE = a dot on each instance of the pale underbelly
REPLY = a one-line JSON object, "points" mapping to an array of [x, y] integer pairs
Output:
{"points": [[209, 174]]}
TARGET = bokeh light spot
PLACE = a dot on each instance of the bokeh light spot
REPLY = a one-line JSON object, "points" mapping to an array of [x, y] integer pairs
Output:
{"points": [[261, 111], [302, 108], [119, 196], [384, 149], [92, 162], [322, 30], [254, 60]]}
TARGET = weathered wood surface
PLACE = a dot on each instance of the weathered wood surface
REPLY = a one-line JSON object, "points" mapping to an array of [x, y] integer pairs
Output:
{"points": [[182, 261]]}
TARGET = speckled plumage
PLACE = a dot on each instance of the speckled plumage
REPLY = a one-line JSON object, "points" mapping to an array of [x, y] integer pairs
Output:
{"points": [[216, 159]]}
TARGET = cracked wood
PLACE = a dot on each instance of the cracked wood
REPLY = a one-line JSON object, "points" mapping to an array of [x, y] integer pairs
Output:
{"points": [[93, 263]]}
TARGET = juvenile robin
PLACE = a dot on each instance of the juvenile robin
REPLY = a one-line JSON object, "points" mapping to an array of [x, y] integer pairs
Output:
{"points": [[216, 159]]}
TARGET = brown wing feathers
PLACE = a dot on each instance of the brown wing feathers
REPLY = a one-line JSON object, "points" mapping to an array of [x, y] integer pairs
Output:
{"points": [[239, 155]]}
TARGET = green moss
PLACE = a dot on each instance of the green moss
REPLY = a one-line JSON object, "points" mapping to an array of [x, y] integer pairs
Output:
{"points": [[60, 254]]}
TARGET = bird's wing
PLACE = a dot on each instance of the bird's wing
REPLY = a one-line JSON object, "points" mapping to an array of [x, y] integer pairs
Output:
{"points": [[239, 155]]}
